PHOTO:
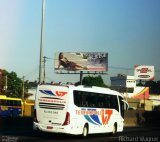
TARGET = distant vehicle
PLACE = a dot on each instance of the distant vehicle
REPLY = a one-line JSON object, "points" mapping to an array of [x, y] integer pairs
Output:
{"points": [[78, 110], [131, 108], [10, 106], [28, 108]]}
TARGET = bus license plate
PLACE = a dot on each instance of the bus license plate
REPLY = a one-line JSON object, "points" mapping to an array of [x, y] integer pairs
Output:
{"points": [[49, 127]]}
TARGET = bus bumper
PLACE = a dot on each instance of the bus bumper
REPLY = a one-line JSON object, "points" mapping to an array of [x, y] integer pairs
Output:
{"points": [[52, 128]]}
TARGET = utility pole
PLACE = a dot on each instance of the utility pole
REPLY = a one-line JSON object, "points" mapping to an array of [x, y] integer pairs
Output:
{"points": [[41, 42], [23, 88], [81, 77], [44, 64], [23, 100], [6, 84]]}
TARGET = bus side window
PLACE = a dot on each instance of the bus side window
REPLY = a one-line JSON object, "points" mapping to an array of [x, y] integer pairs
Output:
{"points": [[7, 102], [78, 98], [83, 102], [81, 99], [3, 102], [95, 98], [11, 103], [107, 101], [101, 101], [18, 103], [89, 100], [114, 102]]}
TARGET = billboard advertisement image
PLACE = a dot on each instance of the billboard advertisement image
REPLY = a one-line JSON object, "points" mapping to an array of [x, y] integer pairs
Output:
{"points": [[144, 72], [81, 61]]}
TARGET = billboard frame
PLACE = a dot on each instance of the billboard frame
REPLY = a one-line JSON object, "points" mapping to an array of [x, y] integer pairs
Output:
{"points": [[82, 72]]}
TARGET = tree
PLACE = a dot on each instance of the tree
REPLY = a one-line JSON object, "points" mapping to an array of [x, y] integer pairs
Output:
{"points": [[93, 81], [3, 74], [14, 85]]}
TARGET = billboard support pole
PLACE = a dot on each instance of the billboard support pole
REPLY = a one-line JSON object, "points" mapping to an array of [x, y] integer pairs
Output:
{"points": [[81, 76]]}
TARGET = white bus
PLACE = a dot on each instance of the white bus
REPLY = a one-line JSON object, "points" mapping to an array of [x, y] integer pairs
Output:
{"points": [[78, 110]]}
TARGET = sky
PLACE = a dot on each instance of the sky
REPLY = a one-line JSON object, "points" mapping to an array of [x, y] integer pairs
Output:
{"points": [[128, 30]]}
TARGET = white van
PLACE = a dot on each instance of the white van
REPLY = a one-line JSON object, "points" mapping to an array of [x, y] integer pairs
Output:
{"points": [[78, 110]]}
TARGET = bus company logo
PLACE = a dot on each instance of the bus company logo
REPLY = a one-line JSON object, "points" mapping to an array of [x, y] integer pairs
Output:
{"points": [[97, 117], [106, 115], [57, 93], [60, 93]]}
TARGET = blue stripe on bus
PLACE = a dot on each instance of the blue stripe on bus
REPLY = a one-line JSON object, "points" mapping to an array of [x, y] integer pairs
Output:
{"points": [[47, 92], [11, 112]]}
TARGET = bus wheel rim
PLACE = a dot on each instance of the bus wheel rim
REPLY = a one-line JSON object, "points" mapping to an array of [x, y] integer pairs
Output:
{"points": [[114, 129], [85, 131]]}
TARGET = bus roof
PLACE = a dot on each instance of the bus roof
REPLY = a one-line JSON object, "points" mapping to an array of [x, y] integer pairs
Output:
{"points": [[88, 88]]}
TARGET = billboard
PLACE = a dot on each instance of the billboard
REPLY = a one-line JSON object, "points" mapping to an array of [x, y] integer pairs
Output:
{"points": [[143, 72], [81, 61]]}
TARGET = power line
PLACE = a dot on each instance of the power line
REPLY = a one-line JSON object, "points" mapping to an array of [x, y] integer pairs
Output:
{"points": [[123, 68], [33, 71]]}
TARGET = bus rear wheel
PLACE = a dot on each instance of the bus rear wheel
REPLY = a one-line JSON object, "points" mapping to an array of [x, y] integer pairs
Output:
{"points": [[85, 131]]}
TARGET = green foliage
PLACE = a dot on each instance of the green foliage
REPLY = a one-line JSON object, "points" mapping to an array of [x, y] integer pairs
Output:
{"points": [[93, 81], [14, 84]]}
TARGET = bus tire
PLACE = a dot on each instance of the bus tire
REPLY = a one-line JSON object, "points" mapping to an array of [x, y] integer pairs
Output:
{"points": [[85, 131], [114, 129]]}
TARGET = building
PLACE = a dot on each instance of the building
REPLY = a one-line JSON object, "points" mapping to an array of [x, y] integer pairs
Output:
{"points": [[123, 81], [127, 85]]}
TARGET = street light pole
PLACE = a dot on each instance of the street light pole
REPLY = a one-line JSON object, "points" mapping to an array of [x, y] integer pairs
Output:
{"points": [[41, 42]]}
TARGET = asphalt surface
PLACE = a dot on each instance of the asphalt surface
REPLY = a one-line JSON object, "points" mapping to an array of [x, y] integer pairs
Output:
{"points": [[131, 134]]}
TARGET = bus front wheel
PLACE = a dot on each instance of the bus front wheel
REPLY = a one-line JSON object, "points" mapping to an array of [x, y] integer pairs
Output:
{"points": [[114, 129]]}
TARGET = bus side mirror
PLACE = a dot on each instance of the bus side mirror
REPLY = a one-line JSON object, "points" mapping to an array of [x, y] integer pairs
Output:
{"points": [[126, 105]]}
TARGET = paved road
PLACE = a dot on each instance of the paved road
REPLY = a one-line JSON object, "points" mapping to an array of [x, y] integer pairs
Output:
{"points": [[142, 134]]}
